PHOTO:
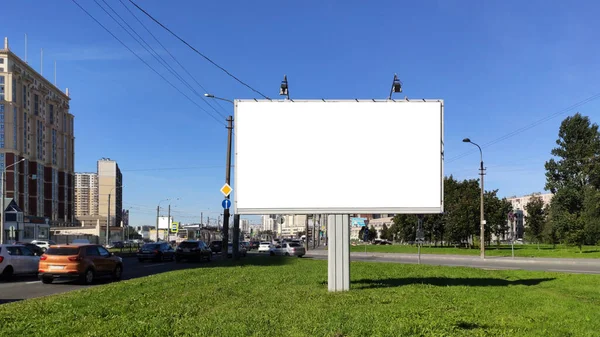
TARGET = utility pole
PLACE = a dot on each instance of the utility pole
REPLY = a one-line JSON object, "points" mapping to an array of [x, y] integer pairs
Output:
{"points": [[306, 234], [482, 228], [236, 237], [108, 222], [169, 225], [201, 218], [157, 216], [225, 241]]}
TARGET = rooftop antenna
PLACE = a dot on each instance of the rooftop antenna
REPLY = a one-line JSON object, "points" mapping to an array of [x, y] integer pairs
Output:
{"points": [[25, 47]]}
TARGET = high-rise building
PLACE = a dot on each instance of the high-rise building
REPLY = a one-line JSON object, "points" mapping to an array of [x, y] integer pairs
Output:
{"points": [[86, 194], [110, 187], [36, 132]]}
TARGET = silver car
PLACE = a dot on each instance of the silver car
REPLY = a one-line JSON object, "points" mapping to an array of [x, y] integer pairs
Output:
{"points": [[288, 249]]}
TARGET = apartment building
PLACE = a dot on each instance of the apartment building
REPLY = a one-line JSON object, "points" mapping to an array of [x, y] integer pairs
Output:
{"points": [[86, 194], [110, 188], [36, 142], [519, 203]]}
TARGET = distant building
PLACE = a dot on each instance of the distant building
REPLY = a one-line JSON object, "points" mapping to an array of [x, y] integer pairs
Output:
{"points": [[110, 183], [245, 225], [519, 203], [86, 194], [36, 142]]}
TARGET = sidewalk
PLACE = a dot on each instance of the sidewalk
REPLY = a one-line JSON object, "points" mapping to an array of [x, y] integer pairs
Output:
{"points": [[466, 258]]}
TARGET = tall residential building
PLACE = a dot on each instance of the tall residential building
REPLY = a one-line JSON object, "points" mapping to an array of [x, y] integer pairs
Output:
{"points": [[110, 186], [519, 203], [245, 225], [37, 128], [86, 194]]}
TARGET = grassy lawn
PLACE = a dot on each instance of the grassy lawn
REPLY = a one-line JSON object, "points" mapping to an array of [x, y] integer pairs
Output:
{"points": [[494, 250], [272, 296]]}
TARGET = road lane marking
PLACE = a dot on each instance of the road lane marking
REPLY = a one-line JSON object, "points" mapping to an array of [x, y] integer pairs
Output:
{"points": [[154, 265], [33, 282]]}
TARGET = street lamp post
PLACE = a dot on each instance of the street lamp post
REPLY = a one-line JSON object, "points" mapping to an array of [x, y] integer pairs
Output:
{"points": [[225, 238], [158, 216], [2, 206], [108, 218], [482, 219]]}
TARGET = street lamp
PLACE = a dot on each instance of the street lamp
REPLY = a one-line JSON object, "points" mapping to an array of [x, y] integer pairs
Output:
{"points": [[284, 89], [396, 86], [2, 206], [108, 218], [482, 223], [219, 98]]}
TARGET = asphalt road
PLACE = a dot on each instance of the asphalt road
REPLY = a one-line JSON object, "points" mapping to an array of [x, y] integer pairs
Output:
{"points": [[24, 287], [579, 266]]}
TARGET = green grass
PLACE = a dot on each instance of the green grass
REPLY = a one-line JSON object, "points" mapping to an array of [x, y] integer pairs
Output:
{"points": [[268, 296], [560, 251]]}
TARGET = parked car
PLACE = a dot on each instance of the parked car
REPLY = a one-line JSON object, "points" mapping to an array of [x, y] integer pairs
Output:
{"points": [[288, 249], [17, 260], [156, 252], [79, 262], [246, 245], [254, 244], [242, 250], [264, 247], [44, 244], [193, 250], [34, 248], [215, 246]]}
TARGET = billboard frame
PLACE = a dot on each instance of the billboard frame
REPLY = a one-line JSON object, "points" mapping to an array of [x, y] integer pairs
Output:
{"points": [[341, 210]]}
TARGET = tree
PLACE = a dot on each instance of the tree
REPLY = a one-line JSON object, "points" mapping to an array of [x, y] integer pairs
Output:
{"points": [[372, 233], [496, 215], [404, 227], [386, 233], [574, 179], [535, 219]]}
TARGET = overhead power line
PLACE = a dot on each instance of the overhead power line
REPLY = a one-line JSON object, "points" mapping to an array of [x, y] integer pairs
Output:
{"points": [[173, 57], [147, 64], [196, 50], [527, 127]]}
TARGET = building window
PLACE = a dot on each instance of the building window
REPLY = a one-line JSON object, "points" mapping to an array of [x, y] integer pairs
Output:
{"points": [[2, 161], [14, 90], [15, 127], [29, 232], [51, 108], [2, 126], [24, 132], [1, 61], [1, 88], [26, 186], [24, 104], [36, 104], [53, 147], [64, 126], [65, 151], [40, 140]]}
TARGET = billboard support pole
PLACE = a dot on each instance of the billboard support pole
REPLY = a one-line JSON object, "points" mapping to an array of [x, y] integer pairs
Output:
{"points": [[338, 251], [306, 234]]}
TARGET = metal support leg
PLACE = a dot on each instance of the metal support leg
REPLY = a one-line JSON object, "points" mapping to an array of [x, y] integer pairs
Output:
{"points": [[338, 237]]}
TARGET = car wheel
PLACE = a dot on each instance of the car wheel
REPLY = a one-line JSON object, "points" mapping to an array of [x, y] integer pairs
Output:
{"points": [[7, 273], [299, 256], [209, 257], [287, 254], [117, 273], [272, 253], [46, 280], [88, 276]]}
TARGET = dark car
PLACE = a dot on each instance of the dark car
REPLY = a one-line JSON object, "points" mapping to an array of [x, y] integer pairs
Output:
{"points": [[156, 252], [215, 246], [254, 244], [193, 250], [35, 249]]}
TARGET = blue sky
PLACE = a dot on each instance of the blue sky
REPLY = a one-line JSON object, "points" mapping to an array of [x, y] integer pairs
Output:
{"points": [[499, 66]]}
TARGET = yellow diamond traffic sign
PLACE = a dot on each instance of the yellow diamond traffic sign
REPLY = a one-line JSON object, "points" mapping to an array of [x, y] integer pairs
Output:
{"points": [[226, 189]]}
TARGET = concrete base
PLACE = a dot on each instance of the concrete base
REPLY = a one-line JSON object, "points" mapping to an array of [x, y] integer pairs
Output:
{"points": [[338, 241]]}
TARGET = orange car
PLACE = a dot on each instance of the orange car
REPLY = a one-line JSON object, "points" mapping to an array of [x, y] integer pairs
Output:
{"points": [[82, 262]]}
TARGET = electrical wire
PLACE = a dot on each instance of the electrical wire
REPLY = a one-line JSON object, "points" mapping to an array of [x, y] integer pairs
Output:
{"points": [[153, 52], [527, 127], [146, 63], [196, 50], [173, 57]]}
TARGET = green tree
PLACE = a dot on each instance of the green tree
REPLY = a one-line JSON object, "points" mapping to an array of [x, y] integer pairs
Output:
{"points": [[404, 227], [535, 219], [372, 233], [496, 215], [574, 178], [386, 233]]}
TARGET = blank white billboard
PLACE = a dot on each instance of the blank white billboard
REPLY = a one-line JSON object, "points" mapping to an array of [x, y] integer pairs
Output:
{"points": [[338, 157]]}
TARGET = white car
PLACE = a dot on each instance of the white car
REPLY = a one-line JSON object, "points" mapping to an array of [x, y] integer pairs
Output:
{"points": [[17, 260], [264, 247], [288, 249], [44, 244]]}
